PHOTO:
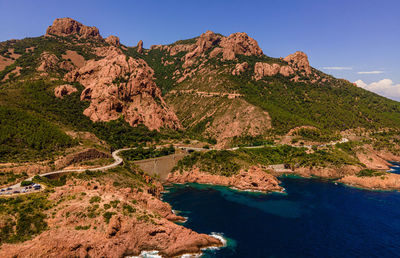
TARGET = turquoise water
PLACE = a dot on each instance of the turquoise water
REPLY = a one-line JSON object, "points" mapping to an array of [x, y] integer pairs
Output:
{"points": [[314, 218]]}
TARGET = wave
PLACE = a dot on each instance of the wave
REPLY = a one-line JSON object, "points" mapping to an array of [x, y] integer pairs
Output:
{"points": [[147, 254]]}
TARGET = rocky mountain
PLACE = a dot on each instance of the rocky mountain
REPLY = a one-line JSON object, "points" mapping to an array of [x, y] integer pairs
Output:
{"points": [[222, 89]]}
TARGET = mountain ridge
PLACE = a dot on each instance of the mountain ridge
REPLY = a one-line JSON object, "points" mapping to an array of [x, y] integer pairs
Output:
{"points": [[189, 85]]}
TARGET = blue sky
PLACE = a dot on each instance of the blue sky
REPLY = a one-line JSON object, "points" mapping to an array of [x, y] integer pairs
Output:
{"points": [[355, 39]]}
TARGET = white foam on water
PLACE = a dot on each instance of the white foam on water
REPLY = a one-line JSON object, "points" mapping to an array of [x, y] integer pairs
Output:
{"points": [[147, 254], [218, 236]]}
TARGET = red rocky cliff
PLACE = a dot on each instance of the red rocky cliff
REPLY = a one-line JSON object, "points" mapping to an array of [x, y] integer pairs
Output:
{"points": [[119, 85], [66, 26]]}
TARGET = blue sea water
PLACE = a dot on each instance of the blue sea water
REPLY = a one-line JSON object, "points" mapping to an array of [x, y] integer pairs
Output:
{"points": [[314, 218]]}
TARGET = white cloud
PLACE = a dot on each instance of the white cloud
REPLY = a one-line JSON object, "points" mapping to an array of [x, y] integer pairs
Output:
{"points": [[371, 72], [337, 68], [384, 87]]}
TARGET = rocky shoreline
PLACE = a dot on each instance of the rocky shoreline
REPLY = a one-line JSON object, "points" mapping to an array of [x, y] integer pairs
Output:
{"points": [[253, 179], [147, 225]]}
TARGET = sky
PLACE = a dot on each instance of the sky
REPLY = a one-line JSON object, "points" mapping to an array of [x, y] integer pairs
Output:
{"points": [[358, 40]]}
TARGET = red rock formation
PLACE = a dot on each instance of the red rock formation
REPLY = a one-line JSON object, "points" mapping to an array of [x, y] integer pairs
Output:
{"points": [[265, 69], [240, 68], [113, 40], [139, 47], [147, 227], [255, 179], [117, 85], [299, 60], [239, 44], [67, 26], [62, 90], [48, 62]]}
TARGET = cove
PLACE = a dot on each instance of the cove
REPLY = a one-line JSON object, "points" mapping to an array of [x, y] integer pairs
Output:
{"points": [[314, 218]]}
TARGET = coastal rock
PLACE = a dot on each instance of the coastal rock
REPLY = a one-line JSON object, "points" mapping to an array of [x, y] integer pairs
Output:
{"points": [[144, 228], [240, 68], [255, 179], [139, 47], [113, 40], [62, 90], [119, 85], [384, 182], [66, 26]]}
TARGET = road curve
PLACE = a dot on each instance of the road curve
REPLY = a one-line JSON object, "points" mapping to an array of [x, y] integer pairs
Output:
{"points": [[118, 160]]}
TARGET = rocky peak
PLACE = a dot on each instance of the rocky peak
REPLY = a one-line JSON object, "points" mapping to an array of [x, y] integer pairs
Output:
{"points": [[67, 26], [299, 60], [207, 40], [113, 40], [119, 85], [139, 46], [239, 44]]}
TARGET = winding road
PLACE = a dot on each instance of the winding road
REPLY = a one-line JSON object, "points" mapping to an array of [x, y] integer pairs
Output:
{"points": [[118, 161]]}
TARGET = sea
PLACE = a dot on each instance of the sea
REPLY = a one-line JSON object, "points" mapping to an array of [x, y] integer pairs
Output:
{"points": [[313, 218]]}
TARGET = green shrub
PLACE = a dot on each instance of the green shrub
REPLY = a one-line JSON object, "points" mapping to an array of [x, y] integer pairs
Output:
{"points": [[107, 216], [26, 183], [95, 199]]}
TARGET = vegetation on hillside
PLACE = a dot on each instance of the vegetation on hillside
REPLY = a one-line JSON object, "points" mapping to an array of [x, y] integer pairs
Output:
{"points": [[228, 163], [23, 136], [146, 153]]}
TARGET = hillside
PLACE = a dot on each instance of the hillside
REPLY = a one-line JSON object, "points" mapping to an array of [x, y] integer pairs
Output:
{"points": [[70, 100], [220, 89]]}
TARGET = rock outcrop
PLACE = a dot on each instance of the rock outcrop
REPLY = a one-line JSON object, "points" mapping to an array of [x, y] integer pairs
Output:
{"points": [[118, 85], [62, 90], [255, 179], [139, 47], [48, 62], [74, 158], [239, 44], [265, 69], [384, 182], [66, 26], [146, 225], [240, 68], [235, 44], [113, 40], [299, 60], [297, 63]]}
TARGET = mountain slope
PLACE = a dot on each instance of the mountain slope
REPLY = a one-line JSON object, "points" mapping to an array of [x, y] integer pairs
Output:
{"points": [[216, 88]]}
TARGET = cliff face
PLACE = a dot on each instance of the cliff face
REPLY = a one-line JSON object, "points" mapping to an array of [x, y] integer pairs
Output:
{"points": [[116, 85], [119, 85]]}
